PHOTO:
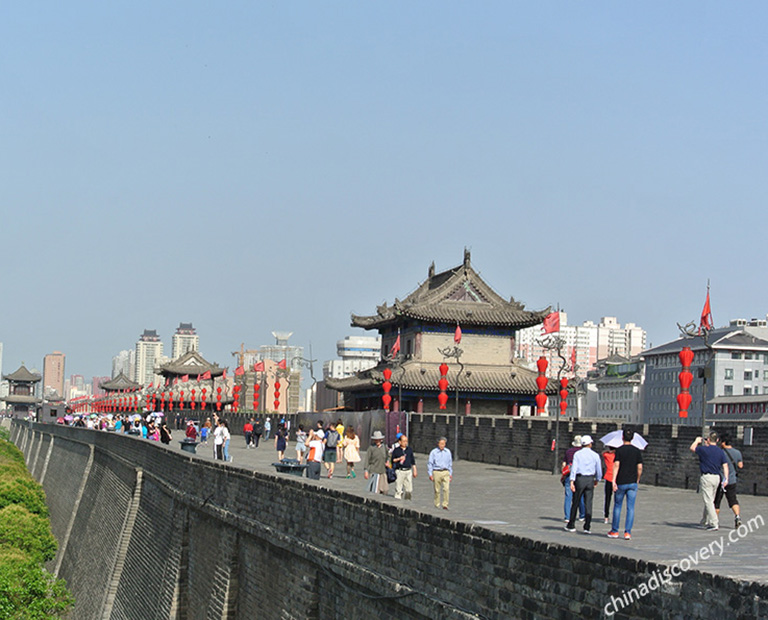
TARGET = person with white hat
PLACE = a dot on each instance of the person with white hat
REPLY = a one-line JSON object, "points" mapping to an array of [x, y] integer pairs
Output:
{"points": [[376, 464], [565, 469], [586, 473]]}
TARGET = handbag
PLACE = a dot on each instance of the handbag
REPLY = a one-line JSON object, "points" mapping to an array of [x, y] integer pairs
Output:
{"points": [[391, 475]]}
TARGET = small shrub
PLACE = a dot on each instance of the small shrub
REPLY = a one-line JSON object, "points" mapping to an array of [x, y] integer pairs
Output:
{"points": [[25, 492], [30, 533], [28, 591]]}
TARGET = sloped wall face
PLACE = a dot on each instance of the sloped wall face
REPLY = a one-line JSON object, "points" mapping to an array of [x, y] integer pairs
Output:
{"points": [[151, 533]]}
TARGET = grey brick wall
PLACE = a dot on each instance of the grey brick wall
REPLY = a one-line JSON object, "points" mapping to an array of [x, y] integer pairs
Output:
{"points": [[212, 541]]}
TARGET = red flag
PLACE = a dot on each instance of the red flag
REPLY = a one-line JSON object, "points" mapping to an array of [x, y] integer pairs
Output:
{"points": [[457, 334], [706, 315], [198, 378], [282, 364], [224, 375], [184, 378], [176, 381], [168, 382], [205, 375], [258, 367], [150, 385], [573, 359], [239, 371], [396, 346], [551, 323]]}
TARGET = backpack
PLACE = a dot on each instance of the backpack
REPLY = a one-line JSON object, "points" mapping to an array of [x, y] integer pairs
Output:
{"points": [[333, 439]]}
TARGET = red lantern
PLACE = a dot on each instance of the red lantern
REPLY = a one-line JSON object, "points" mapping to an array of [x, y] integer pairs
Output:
{"points": [[442, 398], [443, 384], [563, 406], [443, 369], [541, 383], [686, 357], [387, 372], [685, 378], [564, 395]]}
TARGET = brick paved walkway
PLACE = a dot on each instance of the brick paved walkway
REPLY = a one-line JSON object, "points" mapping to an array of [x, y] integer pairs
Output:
{"points": [[530, 504]]}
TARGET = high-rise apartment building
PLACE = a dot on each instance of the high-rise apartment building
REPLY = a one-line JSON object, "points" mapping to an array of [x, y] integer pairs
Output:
{"points": [[149, 350], [185, 339], [356, 353], [124, 362], [53, 373], [585, 344]]}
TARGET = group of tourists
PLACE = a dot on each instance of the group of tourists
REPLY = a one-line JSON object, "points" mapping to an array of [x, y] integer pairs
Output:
{"points": [[621, 469], [324, 446]]}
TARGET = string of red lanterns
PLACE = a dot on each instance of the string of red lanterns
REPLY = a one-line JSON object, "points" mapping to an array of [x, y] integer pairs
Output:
{"points": [[563, 395], [236, 396], [541, 383], [686, 378], [256, 390], [277, 393], [442, 397], [218, 398], [386, 399]]}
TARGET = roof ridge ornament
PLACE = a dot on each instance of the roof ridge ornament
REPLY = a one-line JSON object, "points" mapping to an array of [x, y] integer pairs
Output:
{"points": [[467, 257]]}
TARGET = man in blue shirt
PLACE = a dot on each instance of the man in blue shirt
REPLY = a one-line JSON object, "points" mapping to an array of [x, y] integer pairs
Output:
{"points": [[711, 460], [586, 472], [440, 470]]}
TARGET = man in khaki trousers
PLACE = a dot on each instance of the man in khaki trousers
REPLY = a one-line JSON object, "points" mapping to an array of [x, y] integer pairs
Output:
{"points": [[440, 470]]}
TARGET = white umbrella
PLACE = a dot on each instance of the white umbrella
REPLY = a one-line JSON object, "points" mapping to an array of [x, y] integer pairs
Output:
{"points": [[614, 439]]}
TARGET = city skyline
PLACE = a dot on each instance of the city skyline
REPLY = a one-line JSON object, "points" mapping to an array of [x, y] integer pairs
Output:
{"points": [[305, 162]]}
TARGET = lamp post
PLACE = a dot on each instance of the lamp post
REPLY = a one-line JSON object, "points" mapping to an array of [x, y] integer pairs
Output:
{"points": [[455, 352], [309, 364], [556, 344]]}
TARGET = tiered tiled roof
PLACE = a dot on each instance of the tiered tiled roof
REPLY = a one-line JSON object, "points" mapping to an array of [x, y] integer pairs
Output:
{"points": [[415, 375], [458, 295], [192, 364], [22, 375], [119, 383]]}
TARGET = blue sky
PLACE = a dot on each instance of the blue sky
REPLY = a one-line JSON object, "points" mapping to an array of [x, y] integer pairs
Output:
{"points": [[258, 166]]}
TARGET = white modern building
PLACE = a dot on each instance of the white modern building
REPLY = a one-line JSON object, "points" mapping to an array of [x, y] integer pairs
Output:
{"points": [[586, 343], [356, 353], [149, 351], [124, 362], [734, 364], [184, 339]]}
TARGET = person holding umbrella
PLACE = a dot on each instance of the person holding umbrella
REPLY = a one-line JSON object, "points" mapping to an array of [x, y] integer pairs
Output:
{"points": [[627, 469]]}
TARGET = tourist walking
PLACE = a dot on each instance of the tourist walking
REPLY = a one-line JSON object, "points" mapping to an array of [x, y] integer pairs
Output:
{"points": [[227, 437], [404, 464], [165, 432], [332, 441], [376, 465], [608, 455], [565, 479], [440, 472], [280, 443], [712, 461], [258, 431], [351, 451], [301, 443], [734, 464], [218, 440], [205, 431], [627, 469], [586, 473], [340, 445], [248, 432], [267, 428], [315, 454]]}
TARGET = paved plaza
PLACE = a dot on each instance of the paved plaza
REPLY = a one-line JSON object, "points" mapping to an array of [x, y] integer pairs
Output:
{"points": [[529, 503]]}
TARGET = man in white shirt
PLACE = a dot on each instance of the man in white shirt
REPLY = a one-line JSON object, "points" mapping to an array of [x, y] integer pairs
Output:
{"points": [[586, 473]]}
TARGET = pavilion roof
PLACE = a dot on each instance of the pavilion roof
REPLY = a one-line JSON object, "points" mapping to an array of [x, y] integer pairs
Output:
{"points": [[22, 375], [458, 295], [192, 364], [416, 375], [119, 383], [21, 399]]}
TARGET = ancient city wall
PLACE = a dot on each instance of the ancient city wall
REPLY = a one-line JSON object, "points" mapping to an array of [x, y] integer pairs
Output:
{"points": [[147, 531], [527, 442]]}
